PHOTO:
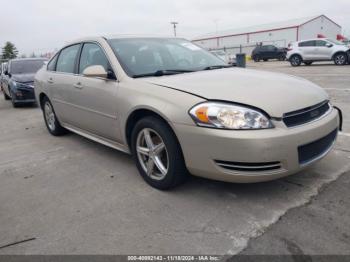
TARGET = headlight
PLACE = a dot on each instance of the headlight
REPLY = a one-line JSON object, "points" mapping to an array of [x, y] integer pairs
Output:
{"points": [[14, 84], [229, 116]]}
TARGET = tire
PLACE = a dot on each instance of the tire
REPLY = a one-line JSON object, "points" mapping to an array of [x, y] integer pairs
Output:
{"points": [[170, 156], [5, 95], [282, 58], [340, 59], [14, 104], [265, 60], [309, 63], [256, 58], [296, 60], [51, 121]]}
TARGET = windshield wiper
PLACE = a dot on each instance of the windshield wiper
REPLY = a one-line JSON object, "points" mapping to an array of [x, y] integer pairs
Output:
{"points": [[163, 73], [216, 67]]}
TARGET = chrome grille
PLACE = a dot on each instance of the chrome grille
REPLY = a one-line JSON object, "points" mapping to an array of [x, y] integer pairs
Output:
{"points": [[306, 115]]}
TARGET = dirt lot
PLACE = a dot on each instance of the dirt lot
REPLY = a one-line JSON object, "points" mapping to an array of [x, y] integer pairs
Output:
{"points": [[73, 196]]}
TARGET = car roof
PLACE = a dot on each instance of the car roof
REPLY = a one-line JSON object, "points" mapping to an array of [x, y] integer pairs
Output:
{"points": [[108, 37], [312, 39], [29, 59]]}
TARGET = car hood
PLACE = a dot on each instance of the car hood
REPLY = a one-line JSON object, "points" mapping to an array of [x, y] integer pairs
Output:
{"points": [[23, 78], [275, 93]]}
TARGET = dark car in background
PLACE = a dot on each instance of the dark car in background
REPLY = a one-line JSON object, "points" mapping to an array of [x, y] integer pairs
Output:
{"points": [[18, 84], [266, 52]]}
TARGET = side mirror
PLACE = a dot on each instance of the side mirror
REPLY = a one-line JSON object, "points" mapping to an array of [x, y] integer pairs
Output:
{"points": [[329, 45], [95, 71]]}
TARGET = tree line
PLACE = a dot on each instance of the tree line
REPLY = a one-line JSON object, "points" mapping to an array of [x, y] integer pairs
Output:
{"points": [[9, 51]]}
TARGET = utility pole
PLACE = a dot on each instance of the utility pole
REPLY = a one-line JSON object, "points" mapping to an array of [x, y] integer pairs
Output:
{"points": [[174, 24], [216, 21]]}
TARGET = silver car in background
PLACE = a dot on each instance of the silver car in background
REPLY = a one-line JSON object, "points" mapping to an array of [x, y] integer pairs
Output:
{"points": [[179, 109], [316, 50]]}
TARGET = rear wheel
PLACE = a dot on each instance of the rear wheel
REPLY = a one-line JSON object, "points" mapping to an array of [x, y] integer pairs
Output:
{"points": [[158, 154], [296, 60], [308, 63], [256, 58], [340, 59], [51, 120]]}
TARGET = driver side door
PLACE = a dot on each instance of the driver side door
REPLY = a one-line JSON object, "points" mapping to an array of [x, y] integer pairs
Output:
{"points": [[95, 99]]}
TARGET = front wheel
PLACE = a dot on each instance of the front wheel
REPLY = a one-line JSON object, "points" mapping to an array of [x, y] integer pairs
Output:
{"points": [[340, 59], [282, 58], [158, 154], [51, 120], [295, 60], [14, 103]]}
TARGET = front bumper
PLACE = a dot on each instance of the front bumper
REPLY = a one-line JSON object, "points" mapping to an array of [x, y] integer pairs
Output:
{"points": [[23, 95], [202, 147]]}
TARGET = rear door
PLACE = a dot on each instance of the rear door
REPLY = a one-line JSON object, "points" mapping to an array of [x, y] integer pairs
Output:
{"points": [[95, 99], [61, 78], [263, 52], [307, 49], [270, 52]]}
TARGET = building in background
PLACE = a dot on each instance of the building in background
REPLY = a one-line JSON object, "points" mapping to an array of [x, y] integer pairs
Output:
{"points": [[279, 34]]}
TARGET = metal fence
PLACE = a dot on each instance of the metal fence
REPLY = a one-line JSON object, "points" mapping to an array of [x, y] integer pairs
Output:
{"points": [[248, 48]]}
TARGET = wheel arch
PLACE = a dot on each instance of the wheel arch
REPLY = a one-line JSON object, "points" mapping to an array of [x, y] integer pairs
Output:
{"points": [[140, 113], [41, 97], [339, 52], [297, 54]]}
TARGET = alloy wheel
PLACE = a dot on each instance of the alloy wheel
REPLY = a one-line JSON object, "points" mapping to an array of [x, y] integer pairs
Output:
{"points": [[50, 116], [295, 60], [340, 59], [152, 154]]}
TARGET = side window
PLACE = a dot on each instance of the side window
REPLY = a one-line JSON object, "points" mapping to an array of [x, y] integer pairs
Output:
{"points": [[52, 64], [307, 44], [66, 59], [92, 54], [321, 43]]}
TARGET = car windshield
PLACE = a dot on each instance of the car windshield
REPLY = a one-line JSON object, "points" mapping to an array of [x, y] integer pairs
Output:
{"points": [[26, 67], [335, 42], [158, 56]]}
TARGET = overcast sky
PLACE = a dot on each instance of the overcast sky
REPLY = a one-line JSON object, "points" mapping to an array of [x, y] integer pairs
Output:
{"points": [[43, 25]]}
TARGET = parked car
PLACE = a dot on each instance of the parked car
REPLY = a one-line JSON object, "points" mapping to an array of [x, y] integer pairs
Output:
{"points": [[18, 86], [315, 50], [266, 52], [177, 108], [228, 58], [2, 73]]}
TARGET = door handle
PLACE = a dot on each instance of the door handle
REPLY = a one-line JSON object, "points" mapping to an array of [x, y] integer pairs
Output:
{"points": [[78, 85], [50, 81]]}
